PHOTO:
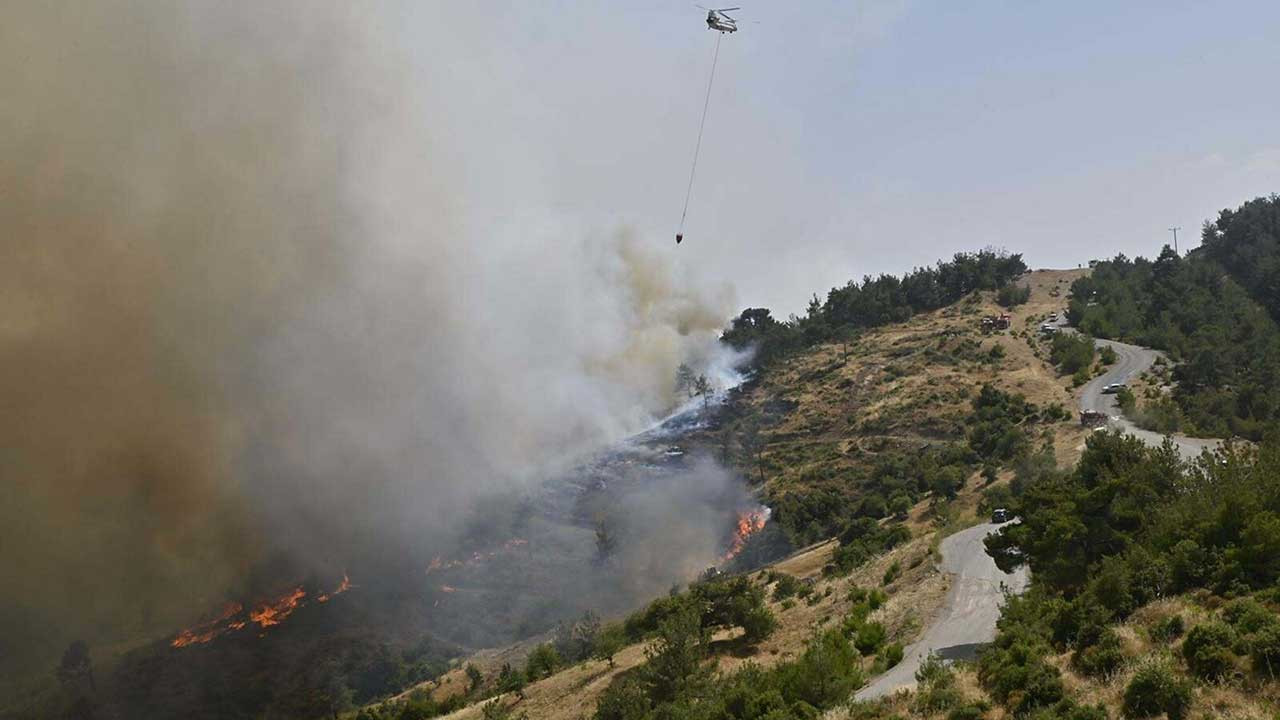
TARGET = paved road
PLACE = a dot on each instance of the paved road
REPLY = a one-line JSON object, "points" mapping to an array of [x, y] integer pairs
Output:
{"points": [[967, 619], [1132, 361]]}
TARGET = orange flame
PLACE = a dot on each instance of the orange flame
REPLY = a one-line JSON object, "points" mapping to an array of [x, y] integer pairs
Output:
{"points": [[274, 612], [265, 614], [207, 631], [438, 563], [749, 523], [344, 586]]}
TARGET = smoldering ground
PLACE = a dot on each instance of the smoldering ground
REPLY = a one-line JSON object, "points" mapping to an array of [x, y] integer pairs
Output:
{"points": [[247, 314]]}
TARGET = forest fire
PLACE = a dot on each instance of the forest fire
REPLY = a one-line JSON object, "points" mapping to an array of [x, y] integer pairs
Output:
{"points": [[205, 632], [749, 523], [275, 612], [344, 586], [438, 563], [266, 614]]}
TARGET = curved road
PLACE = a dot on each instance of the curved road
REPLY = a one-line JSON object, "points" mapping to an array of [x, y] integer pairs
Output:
{"points": [[1132, 361], [967, 619], [968, 616]]}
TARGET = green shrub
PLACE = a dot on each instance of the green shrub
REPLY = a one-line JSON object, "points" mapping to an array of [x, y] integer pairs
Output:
{"points": [[974, 711], [1264, 649], [1168, 629], [892, 655], [1246, 615], [624, 699], [1155, 689], [869, 638], [1071, 352], [1102, 658], [1207, 650], [826, 674], [892, 572], [758, 623], [543, 662], [1012, 294], [936, 691]]}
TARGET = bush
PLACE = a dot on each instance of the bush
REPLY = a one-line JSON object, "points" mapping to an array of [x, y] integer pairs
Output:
{"points": [[625, 699], [785, 586], [975, 711], [1102, 658], [1155, 689], [543, 662], [1168, 629], [1071, 352], [869, 638], [891, 654], [936, 689], [1264, 649], [1012, 294], [758, 623], [1207, 650], [611, 639], [826, 674], [1246, 615], [900, 505], [892, 572], [1107, 355]]}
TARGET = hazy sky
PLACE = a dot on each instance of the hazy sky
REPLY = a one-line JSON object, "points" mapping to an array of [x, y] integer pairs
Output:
{"points": [[858, 137]]}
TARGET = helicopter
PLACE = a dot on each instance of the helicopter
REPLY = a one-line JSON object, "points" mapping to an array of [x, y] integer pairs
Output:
{"points": [[719, 20]]}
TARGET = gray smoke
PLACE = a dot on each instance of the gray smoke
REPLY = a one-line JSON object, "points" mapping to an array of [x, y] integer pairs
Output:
{"points": [[251, 307]]}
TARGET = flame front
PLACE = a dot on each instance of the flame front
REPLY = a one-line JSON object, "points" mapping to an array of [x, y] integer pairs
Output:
{"points": [[749, 523], [265, 614], [438, 563], [207, 631], [274, 613]]}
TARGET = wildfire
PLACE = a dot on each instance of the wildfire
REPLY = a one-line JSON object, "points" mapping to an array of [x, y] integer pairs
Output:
{"points": [[438, 563], [749, 523], [207, 631], [266, 614], [274, 612], [344, 586]]}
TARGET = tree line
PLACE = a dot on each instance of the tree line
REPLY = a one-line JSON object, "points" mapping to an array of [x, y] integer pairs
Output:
{"points": [[874, 302], [1214, 312]]}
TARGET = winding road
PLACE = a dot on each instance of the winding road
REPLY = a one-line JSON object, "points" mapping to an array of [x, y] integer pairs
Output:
{"points": [[968, 616], [967, 619], [1132, 361]]}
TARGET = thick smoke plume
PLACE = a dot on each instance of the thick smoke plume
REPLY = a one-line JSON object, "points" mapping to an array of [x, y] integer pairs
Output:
{"points": [[247, 314]]}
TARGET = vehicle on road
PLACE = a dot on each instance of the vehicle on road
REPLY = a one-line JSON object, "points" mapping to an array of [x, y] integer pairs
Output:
{"points": [[1000, 515], [1112, 388], [1048, 329], [1093, 418]]}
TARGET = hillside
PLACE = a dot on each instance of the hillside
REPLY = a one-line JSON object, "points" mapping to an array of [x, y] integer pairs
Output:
{"points": [[826, 427], [870, 448]]}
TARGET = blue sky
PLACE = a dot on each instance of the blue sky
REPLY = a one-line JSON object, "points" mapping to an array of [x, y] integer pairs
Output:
{"points": [[855, 138]]}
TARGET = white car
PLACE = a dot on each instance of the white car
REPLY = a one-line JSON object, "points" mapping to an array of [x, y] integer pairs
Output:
{"points": [[1112, 388]]}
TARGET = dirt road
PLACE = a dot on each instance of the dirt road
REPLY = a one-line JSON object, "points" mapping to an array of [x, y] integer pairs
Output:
{"points": [[967, 619]]}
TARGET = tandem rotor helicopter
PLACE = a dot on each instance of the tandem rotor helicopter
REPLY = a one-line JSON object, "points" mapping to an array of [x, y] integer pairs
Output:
{"points": [[720, 20]]}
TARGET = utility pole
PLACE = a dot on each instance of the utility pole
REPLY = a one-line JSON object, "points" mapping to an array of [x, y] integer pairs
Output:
{"points": [[1175, 230]]}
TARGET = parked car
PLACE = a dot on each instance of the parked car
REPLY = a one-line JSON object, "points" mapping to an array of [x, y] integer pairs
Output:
{"points": [[1000, 515]]}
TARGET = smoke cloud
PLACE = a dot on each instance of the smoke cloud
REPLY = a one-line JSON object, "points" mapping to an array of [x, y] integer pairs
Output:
{"points": [[252, 307]]}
